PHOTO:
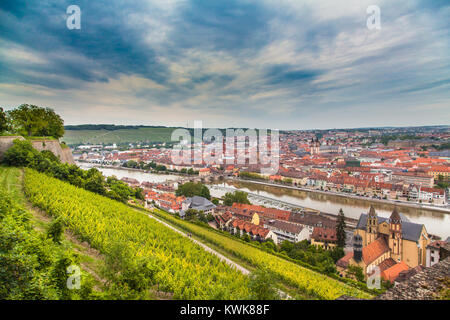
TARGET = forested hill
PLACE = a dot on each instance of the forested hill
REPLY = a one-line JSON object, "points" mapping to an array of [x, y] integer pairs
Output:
{"points": [[109, 134], [106, 127]]}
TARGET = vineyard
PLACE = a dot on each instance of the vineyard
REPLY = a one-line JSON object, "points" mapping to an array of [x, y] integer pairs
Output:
{"points": [[32, 266], [305, 280], [171, 261]]}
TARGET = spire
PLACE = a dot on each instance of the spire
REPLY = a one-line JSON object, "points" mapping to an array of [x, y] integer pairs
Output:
{"points": [[372, 212], [395, 216]]}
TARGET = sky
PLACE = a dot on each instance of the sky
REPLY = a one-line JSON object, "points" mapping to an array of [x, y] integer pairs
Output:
{"points": [[284, 64]]}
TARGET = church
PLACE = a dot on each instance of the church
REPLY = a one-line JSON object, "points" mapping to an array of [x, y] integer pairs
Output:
{"points": [[393, 245]]}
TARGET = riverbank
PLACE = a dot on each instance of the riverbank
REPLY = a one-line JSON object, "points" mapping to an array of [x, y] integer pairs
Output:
{"points": [[352, 196]]}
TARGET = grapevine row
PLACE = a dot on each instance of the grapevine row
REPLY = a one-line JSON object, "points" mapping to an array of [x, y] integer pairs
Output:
{"points": [[183, 267]]}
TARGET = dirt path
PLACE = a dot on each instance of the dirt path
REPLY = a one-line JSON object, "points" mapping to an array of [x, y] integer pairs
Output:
{"points": [[85, 250], [204, 246]]}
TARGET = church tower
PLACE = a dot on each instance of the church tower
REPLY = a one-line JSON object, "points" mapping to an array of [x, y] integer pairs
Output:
{"points": [[371, 226], [357, 248], [314, 146], [395, 235]]}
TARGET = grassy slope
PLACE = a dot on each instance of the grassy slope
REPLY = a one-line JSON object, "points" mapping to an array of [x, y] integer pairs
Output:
{"points": [[117, 136], [11, 180]]}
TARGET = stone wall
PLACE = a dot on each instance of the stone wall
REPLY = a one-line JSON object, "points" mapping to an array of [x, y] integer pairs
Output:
{"points": [[6, 142], [64, 154]]}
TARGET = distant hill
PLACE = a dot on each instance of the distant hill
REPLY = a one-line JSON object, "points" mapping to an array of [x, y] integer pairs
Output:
{"points": [[109, 134], [116, 134], [106, 127]]}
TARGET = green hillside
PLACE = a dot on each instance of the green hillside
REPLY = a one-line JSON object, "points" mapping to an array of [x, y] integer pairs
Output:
{"points": [[153, 135]]}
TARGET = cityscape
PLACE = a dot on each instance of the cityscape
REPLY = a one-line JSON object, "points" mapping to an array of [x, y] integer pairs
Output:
{"points": [[223, 158]]}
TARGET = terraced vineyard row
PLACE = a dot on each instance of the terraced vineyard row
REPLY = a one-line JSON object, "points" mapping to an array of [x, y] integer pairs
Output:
{"points": [[177, 264], [307, 281]]}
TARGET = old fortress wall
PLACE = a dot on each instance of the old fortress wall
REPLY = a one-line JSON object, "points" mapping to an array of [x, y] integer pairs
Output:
{"points": [[64, 154]]}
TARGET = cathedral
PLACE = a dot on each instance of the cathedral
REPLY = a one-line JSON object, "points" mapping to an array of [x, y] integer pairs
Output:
{"points": [[314, 146], [393, 245]]}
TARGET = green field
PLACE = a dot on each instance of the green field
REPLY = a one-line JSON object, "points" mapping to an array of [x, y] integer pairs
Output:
{"points": [[146, 135]]}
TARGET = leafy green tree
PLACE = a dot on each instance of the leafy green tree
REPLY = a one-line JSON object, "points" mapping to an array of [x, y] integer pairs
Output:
{"points": [[236, 197], [121, 190], [95, 181], [356, 272], [32, 120], [3, 121], [139, 193], [21, 154], [190, 189], [55, 230], [340, 229], [191, 214], [262, 285], [50, 156], [336, 253], [160, 168]]}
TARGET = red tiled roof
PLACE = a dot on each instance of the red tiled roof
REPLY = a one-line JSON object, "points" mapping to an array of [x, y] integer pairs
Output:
{"points": [[324, 234], [437, 244], [343, 262], [386, 264], [392, 273], [374, 250]]}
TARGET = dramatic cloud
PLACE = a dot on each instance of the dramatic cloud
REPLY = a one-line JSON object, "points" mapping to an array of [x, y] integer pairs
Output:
{"points": [[286, 64]]}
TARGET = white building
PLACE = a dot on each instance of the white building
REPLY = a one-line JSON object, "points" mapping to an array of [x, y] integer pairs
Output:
{"points": [[287, 231], [433, 252]]}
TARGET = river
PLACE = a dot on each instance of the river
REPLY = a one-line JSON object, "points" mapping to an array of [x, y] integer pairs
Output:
{"points": [[437, 223], [134, 174]]}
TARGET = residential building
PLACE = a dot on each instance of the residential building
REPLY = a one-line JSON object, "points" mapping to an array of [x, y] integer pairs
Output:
{"points": [[287, 231], [197, 203], [433, 252], [414, 178], [324, 238]]}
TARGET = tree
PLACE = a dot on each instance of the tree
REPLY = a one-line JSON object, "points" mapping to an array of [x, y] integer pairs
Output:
{"points": [[56, 230], [21, 154], [191, 214], [36, 121], [139, 193], [3, 121], [340, 229], [190, 189], [235, 197], [356, 272], [262, 285]]}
